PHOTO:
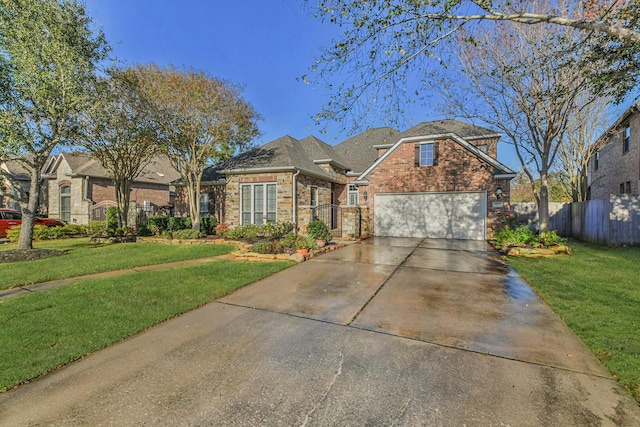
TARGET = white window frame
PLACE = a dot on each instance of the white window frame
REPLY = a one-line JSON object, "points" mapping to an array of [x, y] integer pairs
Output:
{"points": [[204, 205], [426, 156], [353, 195], [268, 211], [65, 215]]}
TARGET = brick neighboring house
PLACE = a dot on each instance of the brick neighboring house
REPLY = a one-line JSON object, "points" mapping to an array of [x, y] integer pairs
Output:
{"points": [[437, 179], [80, 190], [615, 168]]}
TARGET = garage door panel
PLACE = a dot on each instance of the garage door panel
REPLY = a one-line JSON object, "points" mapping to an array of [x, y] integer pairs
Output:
{"points": [[435, 215]]}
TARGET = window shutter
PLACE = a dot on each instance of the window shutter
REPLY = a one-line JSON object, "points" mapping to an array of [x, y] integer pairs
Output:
{"points": [[435, 153], [417, 155]]}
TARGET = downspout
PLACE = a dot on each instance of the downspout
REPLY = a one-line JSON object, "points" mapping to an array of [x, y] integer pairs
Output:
{"points": [[295, 201]]}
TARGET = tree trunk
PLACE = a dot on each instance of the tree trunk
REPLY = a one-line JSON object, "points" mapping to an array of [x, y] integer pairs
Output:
{"points": [[29, 211], [543, 202], [193, 191], [123, 190]]}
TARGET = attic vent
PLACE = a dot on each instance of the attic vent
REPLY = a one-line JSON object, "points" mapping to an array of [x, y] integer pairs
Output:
{"points": [[159, 174]]}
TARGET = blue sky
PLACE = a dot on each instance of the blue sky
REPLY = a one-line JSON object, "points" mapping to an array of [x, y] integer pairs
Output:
{"points": [[263, 45]]}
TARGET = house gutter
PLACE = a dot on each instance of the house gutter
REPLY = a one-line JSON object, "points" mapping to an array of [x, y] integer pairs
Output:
{"points": [[295, 201]]}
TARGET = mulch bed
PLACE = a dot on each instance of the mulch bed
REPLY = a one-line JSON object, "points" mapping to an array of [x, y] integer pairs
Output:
{"points": [[15, 255]]}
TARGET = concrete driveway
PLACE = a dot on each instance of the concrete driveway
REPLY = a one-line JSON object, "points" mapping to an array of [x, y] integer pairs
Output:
{"points": [[389, 331]]}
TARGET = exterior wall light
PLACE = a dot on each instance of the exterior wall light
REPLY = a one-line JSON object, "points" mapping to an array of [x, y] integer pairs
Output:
{"points": [[498, 192], [365, 195]]}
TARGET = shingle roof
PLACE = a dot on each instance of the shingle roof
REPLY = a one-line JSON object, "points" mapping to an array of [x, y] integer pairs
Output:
{"points": [[358, 150], [437, 127], [159, 170], [17, 170], [284, 152]]}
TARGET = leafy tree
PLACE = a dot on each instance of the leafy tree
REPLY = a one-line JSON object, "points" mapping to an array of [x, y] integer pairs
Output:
{"points": [[120, 133], [529, 86], [48, 55], [201, 120], [389, 47]]}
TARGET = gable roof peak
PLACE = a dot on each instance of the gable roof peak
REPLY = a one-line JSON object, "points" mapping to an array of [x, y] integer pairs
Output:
{"points": [[462, 129]]}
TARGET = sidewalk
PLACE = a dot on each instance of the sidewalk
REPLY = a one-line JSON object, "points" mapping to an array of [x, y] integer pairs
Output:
{"points": [[26, 289]]}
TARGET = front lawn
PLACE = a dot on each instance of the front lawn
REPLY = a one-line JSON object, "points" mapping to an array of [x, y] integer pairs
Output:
{"points": [[47, 329], [84, 257], [596, 290]]}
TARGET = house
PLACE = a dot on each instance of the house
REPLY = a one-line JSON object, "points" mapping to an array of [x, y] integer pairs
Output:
{"points": [[12, 174], [80, 189], [437, 179], [615, 168]]}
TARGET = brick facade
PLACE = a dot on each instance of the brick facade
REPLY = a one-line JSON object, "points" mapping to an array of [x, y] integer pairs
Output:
{"points": [[88, 191], [457, 169], [216, 196], [616, 167]]}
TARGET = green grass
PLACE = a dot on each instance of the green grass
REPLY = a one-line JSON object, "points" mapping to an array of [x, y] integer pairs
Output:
{"points": [[596, 290], [83, 257], [47, 329]]}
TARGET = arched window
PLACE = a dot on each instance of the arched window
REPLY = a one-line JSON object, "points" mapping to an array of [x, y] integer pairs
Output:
{"points": [[65, 203]]}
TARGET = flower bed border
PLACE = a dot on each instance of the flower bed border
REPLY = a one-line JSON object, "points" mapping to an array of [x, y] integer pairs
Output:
{"points": [[244, 250]]}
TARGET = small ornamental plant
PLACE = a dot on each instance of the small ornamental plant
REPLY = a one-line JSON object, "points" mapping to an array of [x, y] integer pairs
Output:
{"points": [[318, 230], [222, 229]]}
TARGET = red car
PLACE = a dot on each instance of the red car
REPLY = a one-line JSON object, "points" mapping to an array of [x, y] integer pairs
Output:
{"points": [[10, 217]]}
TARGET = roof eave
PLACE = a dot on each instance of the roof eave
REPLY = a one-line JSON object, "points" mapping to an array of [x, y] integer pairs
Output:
{"points": [[278, 169], [331, 162], [505, 175]]}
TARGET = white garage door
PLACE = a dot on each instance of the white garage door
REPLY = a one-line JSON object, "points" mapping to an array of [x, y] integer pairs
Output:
{"points": [[455, 215]]}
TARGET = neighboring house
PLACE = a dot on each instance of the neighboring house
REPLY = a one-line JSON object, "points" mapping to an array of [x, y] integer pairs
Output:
{"points": [[15, 171], [615, 168], [80, 189], [437, 179]]}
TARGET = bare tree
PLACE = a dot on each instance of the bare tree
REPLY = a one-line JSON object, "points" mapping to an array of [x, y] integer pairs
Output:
{"points": [[48, 56], [528, 88], [389, 49], [120, 133], [201, 120], [580, 145]]}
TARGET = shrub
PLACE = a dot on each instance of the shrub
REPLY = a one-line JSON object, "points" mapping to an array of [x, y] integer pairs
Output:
{"points": [[185, 234], [551, 238], [208, 225], [176, 223], [306, 242], [97, 228], [222, 229], [158, 224], [289, 242], [524, 235], [144, 230], [42, 232], [268, 247], [318, 230], [112, 221], [249, 231]]}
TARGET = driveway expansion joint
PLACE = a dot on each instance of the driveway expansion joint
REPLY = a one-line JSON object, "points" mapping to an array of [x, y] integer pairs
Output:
{"points": [[397, 267]]}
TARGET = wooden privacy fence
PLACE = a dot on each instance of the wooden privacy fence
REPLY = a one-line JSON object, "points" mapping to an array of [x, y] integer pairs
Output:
{"points": [[615, 221]]}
